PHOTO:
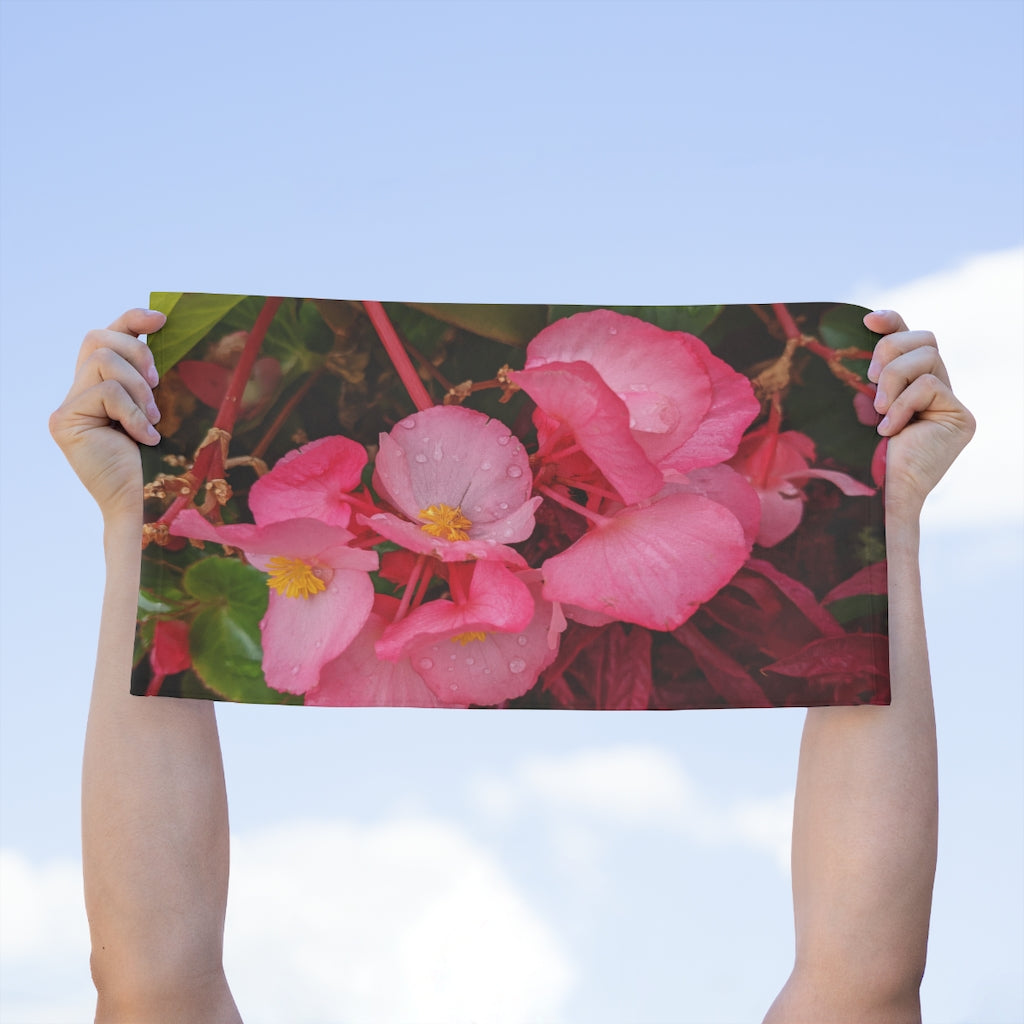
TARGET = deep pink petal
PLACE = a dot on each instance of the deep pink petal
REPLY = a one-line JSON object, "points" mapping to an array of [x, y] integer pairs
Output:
{"points": [[733, 408], [575, 394], [728, 488], [302, 634], [170, 652], [781, 512], [653, 565], [497, 600], [309, 483]]}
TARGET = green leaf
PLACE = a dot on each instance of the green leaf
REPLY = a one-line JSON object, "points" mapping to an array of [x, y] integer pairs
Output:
{"points": [[843, 327], [511, 324], [689, 319], [224, 638], [190, 317]]}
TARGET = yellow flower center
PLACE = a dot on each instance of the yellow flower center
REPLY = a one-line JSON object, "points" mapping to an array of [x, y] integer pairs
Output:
{"points": [[292, 577], [468, 638], [445, 522]]}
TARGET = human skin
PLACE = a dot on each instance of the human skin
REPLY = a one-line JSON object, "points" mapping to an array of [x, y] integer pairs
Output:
{"points": [[155, 855]]}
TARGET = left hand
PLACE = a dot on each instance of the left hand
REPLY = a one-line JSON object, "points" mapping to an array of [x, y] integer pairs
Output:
{"points": [[928, 426]]}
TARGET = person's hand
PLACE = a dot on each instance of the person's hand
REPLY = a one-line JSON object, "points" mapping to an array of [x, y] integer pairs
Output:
{"points": [[927, 425], [109, 409]]}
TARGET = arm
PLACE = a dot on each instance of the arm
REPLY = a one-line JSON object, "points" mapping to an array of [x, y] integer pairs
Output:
{"points": [[865, 820], [154, 809]]}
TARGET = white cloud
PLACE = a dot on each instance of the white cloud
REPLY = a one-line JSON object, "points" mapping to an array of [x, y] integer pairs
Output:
{"points": [[404, 921], [977, 314], [630, 787]]}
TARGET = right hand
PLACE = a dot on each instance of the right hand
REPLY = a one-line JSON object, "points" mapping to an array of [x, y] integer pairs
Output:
{"points": [[113, 385]]}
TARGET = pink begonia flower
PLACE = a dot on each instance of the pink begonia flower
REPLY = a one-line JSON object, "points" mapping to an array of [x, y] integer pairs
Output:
{"points": [[320, 590], [776, 464], [461, 481], [358, 678], [309, 482], [653, 563], [488, 646], [662, 392]]}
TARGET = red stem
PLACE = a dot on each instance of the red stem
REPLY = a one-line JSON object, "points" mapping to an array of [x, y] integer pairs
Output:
{"points": [[397, 354], [209, 463], [786, 321], [596, 519]]}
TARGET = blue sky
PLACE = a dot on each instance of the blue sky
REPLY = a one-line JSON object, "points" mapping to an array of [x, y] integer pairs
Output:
{"points": [[629, 866]]}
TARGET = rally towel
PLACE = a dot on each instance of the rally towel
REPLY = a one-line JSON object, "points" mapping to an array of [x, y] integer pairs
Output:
{"points": [[360, 503]]}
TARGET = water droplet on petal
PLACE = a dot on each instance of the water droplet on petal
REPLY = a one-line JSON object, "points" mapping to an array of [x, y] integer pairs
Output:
{"points": [[487, 671], [409, 422], [453, 657], [515, 472], [426, 663], [522, 640], [453, 687], [516, 450], [477, 508], [438, 451], [485, 465], [506, 533], [295, 670], [421, 458], [638, 387], [516, 665], [504, 439], [471, 661], [503, 505], [318, 644], [613, 330]]}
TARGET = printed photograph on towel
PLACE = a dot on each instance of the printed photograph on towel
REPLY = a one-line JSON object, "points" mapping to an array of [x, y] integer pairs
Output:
{"points": [[361, 503]]}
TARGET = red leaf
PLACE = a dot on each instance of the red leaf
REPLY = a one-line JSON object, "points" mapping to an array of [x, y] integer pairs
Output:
{"points": [[872, 579]]}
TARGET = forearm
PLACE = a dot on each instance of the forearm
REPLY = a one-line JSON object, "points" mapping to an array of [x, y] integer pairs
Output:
{"points": [[865, 821], [154, 810]]}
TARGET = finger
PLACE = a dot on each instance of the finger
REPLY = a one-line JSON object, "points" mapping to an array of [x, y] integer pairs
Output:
{"points": [[893, 346], [127, 346], [139, 321], [104, 364], [885, 321], [97, 406], [902, 371], [927, 397]]}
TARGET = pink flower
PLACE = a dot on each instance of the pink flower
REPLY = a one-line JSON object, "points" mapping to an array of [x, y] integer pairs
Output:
{"points": [[311, 482], [358, 678], [652, 563], [487, 645], [320, 590], [462, 483], [638, 400], [776, 464]]}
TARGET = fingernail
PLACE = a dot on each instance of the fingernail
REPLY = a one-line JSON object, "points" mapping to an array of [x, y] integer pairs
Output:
{"points": [[152, 433], [152, 412], [880, 312], [152, 376], [881, 400], [153, 312], [884, 425], [873, 370]]}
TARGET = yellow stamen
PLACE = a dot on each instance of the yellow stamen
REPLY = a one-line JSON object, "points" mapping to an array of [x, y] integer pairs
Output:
{"points": [[294, 578], [468, 638], [445, 522]]}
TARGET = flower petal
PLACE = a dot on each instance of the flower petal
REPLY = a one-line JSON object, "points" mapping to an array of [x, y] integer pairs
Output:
{"points": [[308, 482], [654, 564]]}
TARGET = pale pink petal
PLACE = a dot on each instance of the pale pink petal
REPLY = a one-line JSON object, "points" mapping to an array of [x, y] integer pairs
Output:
{"points": [[501, 666], [309, 483], [358, 678], [654, 564], [455, 456], [843, 481], [414, 538], [575, 394], [302, 634], [781, 512]]}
